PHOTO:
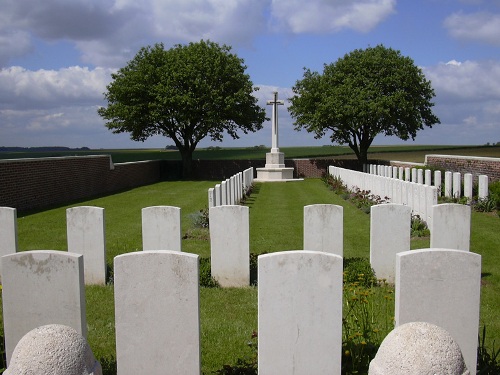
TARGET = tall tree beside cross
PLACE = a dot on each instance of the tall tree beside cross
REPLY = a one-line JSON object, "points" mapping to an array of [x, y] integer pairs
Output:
{"points": [[365, 93], [186, 93]]}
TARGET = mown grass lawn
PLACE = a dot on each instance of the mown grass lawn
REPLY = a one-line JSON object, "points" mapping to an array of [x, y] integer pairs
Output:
{"points": [[229, 316]]}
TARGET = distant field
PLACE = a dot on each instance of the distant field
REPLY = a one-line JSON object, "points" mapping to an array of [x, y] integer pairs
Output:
{"points": [[401, 153]]}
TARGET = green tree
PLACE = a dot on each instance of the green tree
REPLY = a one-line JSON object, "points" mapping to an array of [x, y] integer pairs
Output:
{"points": [[185, 93], [365, 93]]}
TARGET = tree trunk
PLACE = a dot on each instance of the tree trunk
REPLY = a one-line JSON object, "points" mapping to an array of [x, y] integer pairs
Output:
{"points": [[363, 155], [187, 163]]}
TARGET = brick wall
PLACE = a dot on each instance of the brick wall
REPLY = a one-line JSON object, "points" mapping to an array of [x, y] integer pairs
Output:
{"points": [[30, 184], [466, 164]]}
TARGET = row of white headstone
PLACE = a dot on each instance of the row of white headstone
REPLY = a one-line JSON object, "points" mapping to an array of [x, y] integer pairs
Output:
{"points": [[452, 180], [230, 235], [420, 198], [232, 190], [157, 313], [85, 227]]}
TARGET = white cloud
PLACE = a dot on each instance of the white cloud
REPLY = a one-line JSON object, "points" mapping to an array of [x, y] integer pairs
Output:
{"points": [[319, 16], [468, 81], [24, 89], [479, 27], [109, 32], [467, 101]]}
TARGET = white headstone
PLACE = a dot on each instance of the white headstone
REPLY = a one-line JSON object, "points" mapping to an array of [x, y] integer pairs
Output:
{"points": [[217, 195], [414, 176], [420, 176], [41, 287], [300, 313], [437, 181], [157, 313], [457, 185], [441, 287], [407, 174], [389, 235], [468, 186], [161, 228], [401, 173], [8, 230], [483, 187], [86, 235], [448, 184], [211, 197], [223, 189], [324, 228], [230, 247], [428, 177], [450, 228]]}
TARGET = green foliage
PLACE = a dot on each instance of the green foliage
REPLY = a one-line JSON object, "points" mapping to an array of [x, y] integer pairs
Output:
{"points": [[206, 279], [108, 365], [3, 357], [367, 315], [200, 219], [365, 93], [359, 271], [419, 227], [244, 366], [488, 362], [186, 93], [334, 183]]}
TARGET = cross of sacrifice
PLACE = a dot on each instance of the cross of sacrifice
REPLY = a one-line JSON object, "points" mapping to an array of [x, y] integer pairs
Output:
{"points": [[274, 138]]}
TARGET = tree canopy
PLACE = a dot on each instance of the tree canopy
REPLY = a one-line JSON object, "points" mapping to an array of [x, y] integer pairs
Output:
{"points": [[186, 93], [365, 93]]}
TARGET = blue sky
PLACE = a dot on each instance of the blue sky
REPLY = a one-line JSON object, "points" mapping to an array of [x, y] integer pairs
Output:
{"points": [[56, 58]]}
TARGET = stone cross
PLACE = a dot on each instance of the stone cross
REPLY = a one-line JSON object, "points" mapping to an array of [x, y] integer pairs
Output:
{"points": [[274, 138]]}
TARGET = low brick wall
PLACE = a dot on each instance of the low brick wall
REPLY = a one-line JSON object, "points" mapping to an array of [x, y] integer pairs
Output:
{"points": [[35, 184], [31, 184], [466, 164]]}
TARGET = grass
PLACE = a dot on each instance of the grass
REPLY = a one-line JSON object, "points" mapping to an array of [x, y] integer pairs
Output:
{"points": [[229, 316]]}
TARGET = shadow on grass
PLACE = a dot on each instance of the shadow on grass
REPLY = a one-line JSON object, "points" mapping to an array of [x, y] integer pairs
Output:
{"points": [[253, 195]]}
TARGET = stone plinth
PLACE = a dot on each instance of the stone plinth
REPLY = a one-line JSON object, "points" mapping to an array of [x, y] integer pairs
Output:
{"points": [[275, 169]]}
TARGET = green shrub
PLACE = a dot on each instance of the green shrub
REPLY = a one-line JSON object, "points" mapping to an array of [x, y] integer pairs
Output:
{"points": [[206, 279], [359, 271], [243, 366], [488, 363], [200, 219], [419, 227]]}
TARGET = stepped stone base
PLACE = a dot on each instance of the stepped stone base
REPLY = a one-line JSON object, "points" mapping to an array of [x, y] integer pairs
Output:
{"points": [[275, 169]]}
